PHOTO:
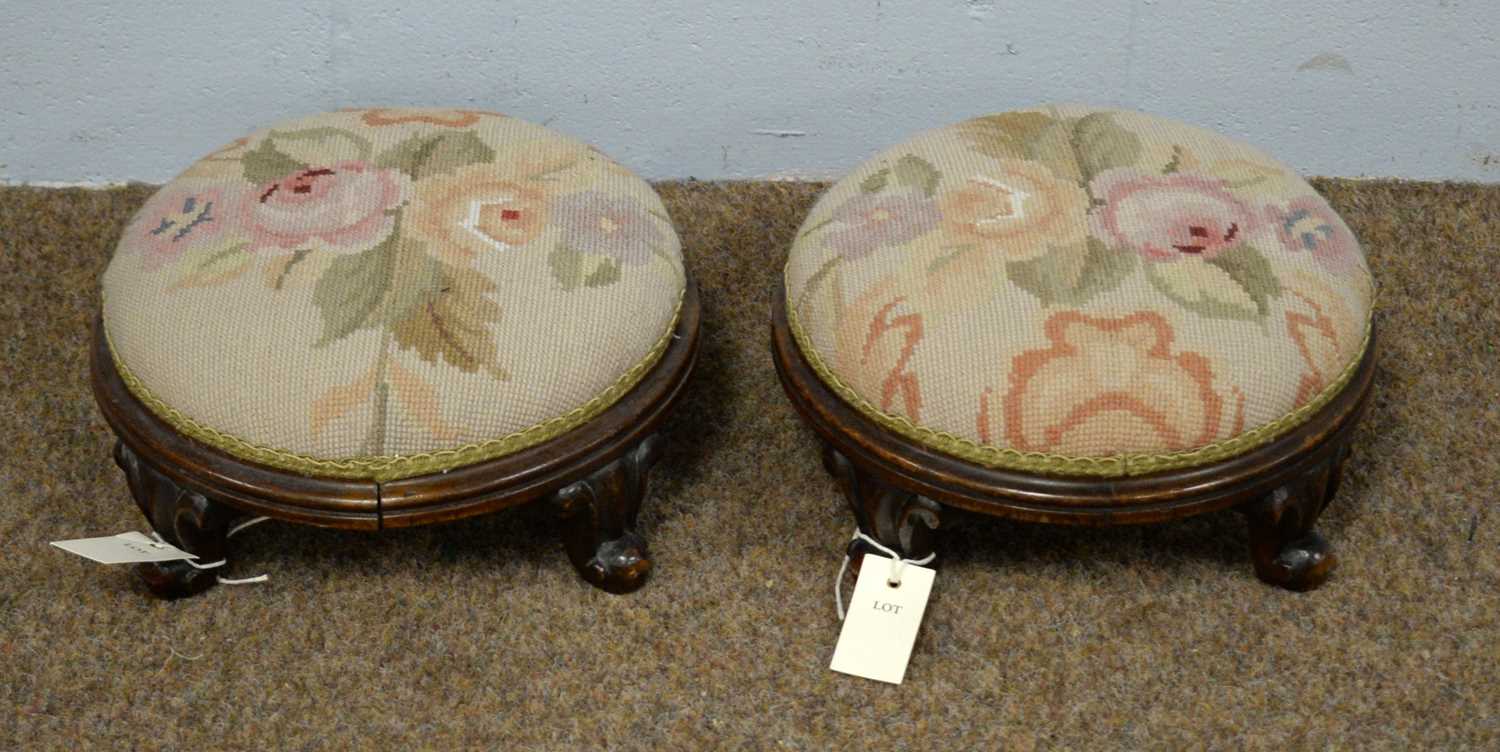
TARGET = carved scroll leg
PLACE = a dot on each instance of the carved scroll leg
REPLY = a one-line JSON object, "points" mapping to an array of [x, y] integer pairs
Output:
{"points": [[1285, 548], [901, 521], [599, 515], [184, 518]]}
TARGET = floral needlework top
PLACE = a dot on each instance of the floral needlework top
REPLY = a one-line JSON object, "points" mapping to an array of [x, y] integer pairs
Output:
{"points": [[387, 292], [1079, 291]]}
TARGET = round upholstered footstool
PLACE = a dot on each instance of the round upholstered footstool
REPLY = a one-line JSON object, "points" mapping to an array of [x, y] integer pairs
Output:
{"points": [[1083, 316], [380, 318]]}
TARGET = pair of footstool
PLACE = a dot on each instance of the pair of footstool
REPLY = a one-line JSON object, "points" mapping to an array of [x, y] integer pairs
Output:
{"points": [[381, 318]]}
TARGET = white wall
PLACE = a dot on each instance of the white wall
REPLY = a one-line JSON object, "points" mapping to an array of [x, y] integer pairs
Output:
{"points": [[117, 90]]}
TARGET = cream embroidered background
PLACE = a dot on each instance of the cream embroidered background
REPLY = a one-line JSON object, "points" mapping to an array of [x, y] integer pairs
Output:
{"points": [[384, 293], [1079, 291]]}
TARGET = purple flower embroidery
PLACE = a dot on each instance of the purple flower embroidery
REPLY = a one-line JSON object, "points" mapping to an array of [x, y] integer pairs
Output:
{"points": [[615, 226], [1309, 225], [865, 223]]}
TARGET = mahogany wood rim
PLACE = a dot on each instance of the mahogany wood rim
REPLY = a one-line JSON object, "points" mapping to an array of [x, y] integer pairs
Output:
{"points": [[488, 486], [1033, 497]]}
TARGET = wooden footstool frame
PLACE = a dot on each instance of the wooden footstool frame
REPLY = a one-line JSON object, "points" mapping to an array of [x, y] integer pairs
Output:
{"points": [[900, 491], [595, 476]]}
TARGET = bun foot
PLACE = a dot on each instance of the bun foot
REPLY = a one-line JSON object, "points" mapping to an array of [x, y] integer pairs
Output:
{"points": [[1286, 550], [617, 566], [1302, 564], [182, 517], [174, 579], [902, 521], [599, 514]]}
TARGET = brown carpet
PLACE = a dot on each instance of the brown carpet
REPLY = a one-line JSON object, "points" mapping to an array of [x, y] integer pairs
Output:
{"points": [[479, 634]]}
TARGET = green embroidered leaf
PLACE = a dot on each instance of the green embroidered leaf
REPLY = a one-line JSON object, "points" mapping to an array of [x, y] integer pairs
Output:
{"points": [[323, 145], [422, 279], [267, 164], [351, 290], [1054, 146], [1074, 149], [937, 264], [913, 171], [453, 324], [215, 268], [1240, 173], [567, 267], [573, 269], [605, 274], [1175, 163], [1072, 275], [818, 226], [357, 291], [1250, 270], [1203, 288], [876, 182], [1005, 136], [1102, 144], [813, 282], [435, 154], [279, 270]]}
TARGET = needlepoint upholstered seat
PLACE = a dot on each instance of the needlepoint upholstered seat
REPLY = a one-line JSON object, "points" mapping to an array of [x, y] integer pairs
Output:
{"points": [[1082, 315], [384, 317]]}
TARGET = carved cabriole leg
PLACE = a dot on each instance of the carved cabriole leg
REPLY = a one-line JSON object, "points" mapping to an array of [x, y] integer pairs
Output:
{"points": [[1285, 548], [900, 520], [599, 520], [186, 519]]}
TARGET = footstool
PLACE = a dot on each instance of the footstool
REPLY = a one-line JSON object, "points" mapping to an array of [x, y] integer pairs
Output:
{"points": [[1080, 316], [379, 318]]}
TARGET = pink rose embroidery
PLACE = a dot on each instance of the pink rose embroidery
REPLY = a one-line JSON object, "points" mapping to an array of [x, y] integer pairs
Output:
{"points": [[867, 222], [343, 208], [1163, 217], [178, 218], [1309, 225]]}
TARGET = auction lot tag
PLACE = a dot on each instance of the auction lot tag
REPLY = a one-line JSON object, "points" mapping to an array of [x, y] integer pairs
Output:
{"points": [[881, 627], [125, 548]]}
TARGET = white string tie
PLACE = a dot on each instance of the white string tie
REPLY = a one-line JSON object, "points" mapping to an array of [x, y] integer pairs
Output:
{"points": [[893, 578], [216, 564]]}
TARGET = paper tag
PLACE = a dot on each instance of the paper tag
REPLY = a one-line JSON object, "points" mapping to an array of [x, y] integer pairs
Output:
{"points": [[881, 627], [125, 548]]}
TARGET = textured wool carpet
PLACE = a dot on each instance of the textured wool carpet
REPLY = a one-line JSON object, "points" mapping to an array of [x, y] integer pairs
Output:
{"points": [[479, 634]]}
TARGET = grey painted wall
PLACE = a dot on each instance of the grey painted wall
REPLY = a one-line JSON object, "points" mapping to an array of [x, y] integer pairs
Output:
{"points": [[117, 90]]}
